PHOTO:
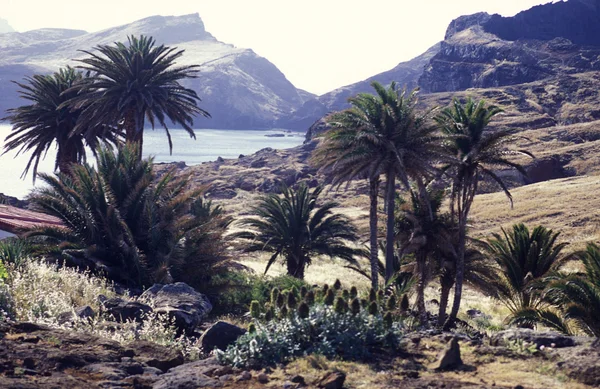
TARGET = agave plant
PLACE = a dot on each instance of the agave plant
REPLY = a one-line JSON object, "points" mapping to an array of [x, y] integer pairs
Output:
{"points": [[295, 228]]}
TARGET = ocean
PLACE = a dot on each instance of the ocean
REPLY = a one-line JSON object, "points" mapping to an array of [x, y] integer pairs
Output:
{"points": [[208, 146]]}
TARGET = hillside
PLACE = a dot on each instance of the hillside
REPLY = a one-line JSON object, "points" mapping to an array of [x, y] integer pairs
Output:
{"points": [[239, 88]]}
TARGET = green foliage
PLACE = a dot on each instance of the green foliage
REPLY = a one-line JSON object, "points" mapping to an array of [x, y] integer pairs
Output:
{"points": [[14, 251], [388, 319], [255, 309], [340, 305], [324, 332], [373, 309], [149, 228], [522, 347], [524, 260], [252, 328], [575, 296], [355, 306], [303, 291], [310, 297], [303, 310], [46, 122], [3, 272], [391, 303], [353, 292], [132, 82], [329, 297], [294, 228], [291, 300]]}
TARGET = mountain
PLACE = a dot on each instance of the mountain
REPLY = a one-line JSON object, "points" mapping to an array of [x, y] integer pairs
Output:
{"points": [[5, 27], [238, 87]]}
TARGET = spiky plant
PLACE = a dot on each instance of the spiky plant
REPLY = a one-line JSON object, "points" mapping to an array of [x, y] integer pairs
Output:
{"points": [[133, 82], [475, 152], [44, 122], [295, 228], [524, 259]]}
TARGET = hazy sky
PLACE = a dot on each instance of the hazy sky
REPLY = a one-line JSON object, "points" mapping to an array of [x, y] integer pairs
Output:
{"points": [[318, 44]]}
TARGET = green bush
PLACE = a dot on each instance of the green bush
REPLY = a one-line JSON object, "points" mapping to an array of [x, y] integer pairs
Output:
{"points": [[14, 251], [335, 335]]}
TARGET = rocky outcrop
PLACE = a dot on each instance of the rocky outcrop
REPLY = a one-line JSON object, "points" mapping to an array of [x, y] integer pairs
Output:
{"points": [[539, 338], [181, 302], [318, 127]]}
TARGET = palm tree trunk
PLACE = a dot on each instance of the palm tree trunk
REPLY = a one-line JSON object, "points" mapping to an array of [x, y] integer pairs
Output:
{"points": [[444, 296], [391, 202], [373, 194], [422, 271], [65, 157], [295, 268], [460, 272], [134, 130]]}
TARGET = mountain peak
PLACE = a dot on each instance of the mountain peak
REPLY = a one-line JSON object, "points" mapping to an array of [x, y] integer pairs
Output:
{"points": [[5, 27]]}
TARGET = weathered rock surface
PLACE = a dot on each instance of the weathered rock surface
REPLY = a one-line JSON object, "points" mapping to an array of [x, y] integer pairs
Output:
{"points": [[181, 302], [546, 339], [220, 335], [123, 310], [332, 380]]}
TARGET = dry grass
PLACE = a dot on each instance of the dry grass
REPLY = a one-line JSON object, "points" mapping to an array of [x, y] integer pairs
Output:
{"points": [[568, 205]]}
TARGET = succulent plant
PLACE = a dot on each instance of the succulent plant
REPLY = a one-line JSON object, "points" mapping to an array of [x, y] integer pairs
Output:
{"points": [[252, 328], [255, 309], [303, 291], [373, 308], [404, 304], [353, 292], [270, 314], [341, 306], [355, 306], [372, 295], [310, 297], [283, 312], [292, 302], [391, 303], [303, 310], [280, 300], [388, 320], [337, 285], [274, 295], [364, 303], [345, 294], [329, 297]]}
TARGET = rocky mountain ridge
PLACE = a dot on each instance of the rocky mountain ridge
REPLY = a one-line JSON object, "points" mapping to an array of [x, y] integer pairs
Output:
{"points": [[238, 87]]}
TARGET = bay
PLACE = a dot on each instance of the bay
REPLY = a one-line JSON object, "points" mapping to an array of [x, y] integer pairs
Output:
{"points": [[208, 146]]}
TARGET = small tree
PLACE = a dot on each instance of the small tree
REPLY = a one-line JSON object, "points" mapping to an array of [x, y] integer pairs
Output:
{"points": [[295, 228]]}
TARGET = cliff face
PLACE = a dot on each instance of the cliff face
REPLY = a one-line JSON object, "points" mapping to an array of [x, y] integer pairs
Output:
{"points": [[484, 51]]}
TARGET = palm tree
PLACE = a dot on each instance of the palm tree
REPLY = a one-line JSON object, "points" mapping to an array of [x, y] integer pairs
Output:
{"points": [[475, 153], [576, 295], [36, 127], [524, 259], [129, 83], [123, 219], [294, 228], [384, 134]]}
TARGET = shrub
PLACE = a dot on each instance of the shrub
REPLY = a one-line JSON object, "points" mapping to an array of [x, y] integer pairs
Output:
{"points": [[14, 251], [345, 335]]}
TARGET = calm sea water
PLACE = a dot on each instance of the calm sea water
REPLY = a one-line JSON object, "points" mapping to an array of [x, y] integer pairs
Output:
{"points": [[208, 146]]}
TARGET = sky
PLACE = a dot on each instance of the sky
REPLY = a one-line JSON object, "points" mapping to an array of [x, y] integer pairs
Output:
{"points": [[319, 45]]}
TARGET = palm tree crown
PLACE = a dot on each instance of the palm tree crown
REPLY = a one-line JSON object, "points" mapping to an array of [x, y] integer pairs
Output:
{"points": [[134, 82], [36, 127], [295, 228]]}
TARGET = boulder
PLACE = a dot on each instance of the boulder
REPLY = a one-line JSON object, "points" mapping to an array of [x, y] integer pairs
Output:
{"points": [[449, 358], [189, 376], [583, 365], [79, 312], [181, 302], [220, 335], [332, 380], [546, 338], [122, 310]]}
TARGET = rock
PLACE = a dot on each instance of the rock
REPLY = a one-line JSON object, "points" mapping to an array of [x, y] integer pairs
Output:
{"points": [[186, 376], [546, 339], [85, 312], [220, 335], [473, 313], [449, 358], [245, 376], [332, 380], [123, 311], [220, 160], [583, 365], [155, 356], [259, 163], [263, 378], [298, 379], [181, 302]]}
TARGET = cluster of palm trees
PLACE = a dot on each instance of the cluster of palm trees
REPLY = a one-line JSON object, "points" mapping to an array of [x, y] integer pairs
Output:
{"points": [[108, 97], [387, 134]]}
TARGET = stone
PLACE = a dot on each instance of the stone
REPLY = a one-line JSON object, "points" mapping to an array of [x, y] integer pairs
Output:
{"points": [[263, 378], [449, 357], [220, 335], [332, 380], [187, 376], [583, 365], [245, 376], [155, 355], [181, 302], [546, 338], [123, 311], [298, 379]]}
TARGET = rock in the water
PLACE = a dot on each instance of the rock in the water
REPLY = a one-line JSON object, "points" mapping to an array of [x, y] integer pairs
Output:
{"points": [[220, 335], [449, 357], [332, 380], [122, 310], [546, 339], [181, 302]]}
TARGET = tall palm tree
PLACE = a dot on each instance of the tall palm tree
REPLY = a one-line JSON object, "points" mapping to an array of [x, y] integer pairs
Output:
{"points": [[294, 228], [475, 153], [43, 123], [524, 259], [576, 295], [384, 134], [133, 82]]}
